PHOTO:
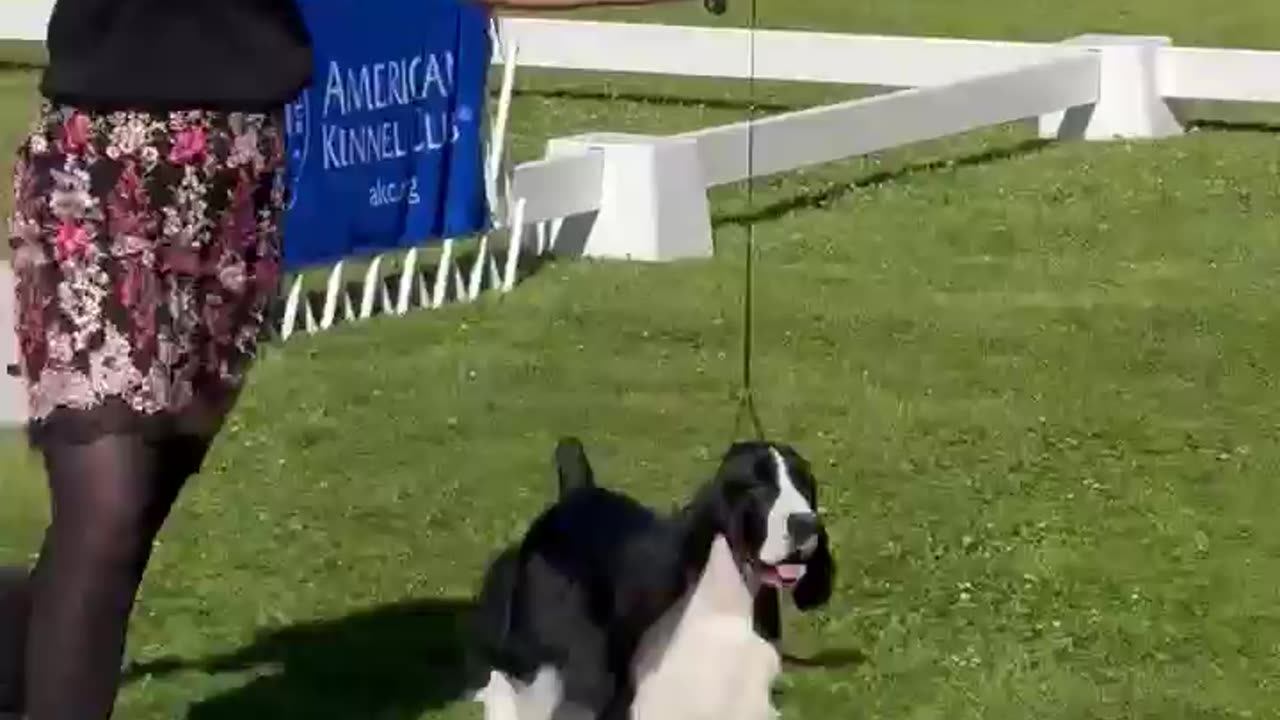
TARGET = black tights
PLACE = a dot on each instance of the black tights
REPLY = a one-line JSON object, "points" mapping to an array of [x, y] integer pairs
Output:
{"points": [[62, 628]]}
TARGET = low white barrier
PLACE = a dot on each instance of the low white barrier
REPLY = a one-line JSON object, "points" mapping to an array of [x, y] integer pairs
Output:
{"points": [[832, 132], [1093, 87], [785, 55], [1215, 74], [25, 20]]}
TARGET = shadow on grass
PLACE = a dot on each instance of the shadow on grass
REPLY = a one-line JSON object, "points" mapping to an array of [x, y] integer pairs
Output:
{"points": [[393, 662], [833, 659], [742, 104], [834, 191], [1235, 126]]}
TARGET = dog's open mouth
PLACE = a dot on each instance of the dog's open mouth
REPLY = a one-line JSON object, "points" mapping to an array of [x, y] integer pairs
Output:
{"points": [[783, 575]]}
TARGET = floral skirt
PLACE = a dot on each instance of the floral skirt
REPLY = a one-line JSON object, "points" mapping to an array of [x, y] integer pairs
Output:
{"points": [[146, 255]]}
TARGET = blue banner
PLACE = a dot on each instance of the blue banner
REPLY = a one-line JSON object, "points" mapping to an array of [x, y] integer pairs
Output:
{"points": [[385, 146]]}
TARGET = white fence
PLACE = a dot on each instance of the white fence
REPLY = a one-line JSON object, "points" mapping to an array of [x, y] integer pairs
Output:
{"points": [[950, 86], [644, 197]]}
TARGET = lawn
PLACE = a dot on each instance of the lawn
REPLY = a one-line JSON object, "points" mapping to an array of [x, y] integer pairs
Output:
{"points": [[1038, 383]]}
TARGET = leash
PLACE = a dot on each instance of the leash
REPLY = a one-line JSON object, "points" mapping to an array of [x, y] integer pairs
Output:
{"points": [[746, 391]]}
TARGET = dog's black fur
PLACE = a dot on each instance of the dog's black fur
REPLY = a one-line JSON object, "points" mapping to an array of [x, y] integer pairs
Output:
{"points": [[597, 569]]}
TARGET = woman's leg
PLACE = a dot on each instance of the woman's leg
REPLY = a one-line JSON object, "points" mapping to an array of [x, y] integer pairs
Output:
{"points": [[109, 499], [15, 589]]}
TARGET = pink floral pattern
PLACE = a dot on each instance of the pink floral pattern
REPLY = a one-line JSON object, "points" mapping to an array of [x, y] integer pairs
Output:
{"points": [[146, 254]]}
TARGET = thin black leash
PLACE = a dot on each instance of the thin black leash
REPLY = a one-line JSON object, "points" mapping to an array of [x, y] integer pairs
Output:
{"points": [[746, 390]]}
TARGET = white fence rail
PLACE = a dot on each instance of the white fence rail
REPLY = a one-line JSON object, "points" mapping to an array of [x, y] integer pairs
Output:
{"points": [[784, 55], [1089, 87], [819, 135], [952, 86], [1215, 74], [25, 21]]}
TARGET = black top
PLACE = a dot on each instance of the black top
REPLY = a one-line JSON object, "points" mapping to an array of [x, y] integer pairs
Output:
{"points": [[165, 55]]}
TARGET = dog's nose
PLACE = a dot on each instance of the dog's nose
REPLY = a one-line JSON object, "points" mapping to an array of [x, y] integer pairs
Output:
{"points": [[803, 528]]}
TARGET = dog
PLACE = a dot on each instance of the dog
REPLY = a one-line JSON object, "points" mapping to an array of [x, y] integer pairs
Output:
{"points": [[703, 660], [565, 614]]}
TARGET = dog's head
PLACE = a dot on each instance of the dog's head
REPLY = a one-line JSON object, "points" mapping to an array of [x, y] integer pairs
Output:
{"points": [[764, 500]]}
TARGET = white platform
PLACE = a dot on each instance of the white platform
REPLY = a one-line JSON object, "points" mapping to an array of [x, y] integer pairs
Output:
{"points": [[1130, 103], [653, 199]]}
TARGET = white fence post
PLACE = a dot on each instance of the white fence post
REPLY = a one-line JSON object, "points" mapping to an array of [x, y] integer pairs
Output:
{"points": [[653, 199], [1130, 104], [13, 398]]}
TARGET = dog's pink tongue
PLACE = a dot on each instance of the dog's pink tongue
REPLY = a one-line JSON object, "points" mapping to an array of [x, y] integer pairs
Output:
{"points": [[790, 573]]}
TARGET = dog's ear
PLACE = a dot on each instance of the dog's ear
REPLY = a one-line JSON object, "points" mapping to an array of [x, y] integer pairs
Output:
{"points": [[767, 614], [734, 478], [814, 589], [715, 509], [739, 466]]}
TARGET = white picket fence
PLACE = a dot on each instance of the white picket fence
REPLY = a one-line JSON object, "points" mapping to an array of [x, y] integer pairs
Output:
{"points": [[639, 197]]}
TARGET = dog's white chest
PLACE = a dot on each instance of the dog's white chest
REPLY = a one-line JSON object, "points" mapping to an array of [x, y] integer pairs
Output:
{"points": [[704, 660], [712, 669]]}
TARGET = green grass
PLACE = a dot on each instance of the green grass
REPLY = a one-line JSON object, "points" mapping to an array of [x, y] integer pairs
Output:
{"points": [[1038, 383], [21, 53]]}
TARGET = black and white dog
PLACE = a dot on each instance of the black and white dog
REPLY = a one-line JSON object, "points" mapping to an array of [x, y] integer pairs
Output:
{"points": [[563, 614]]}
